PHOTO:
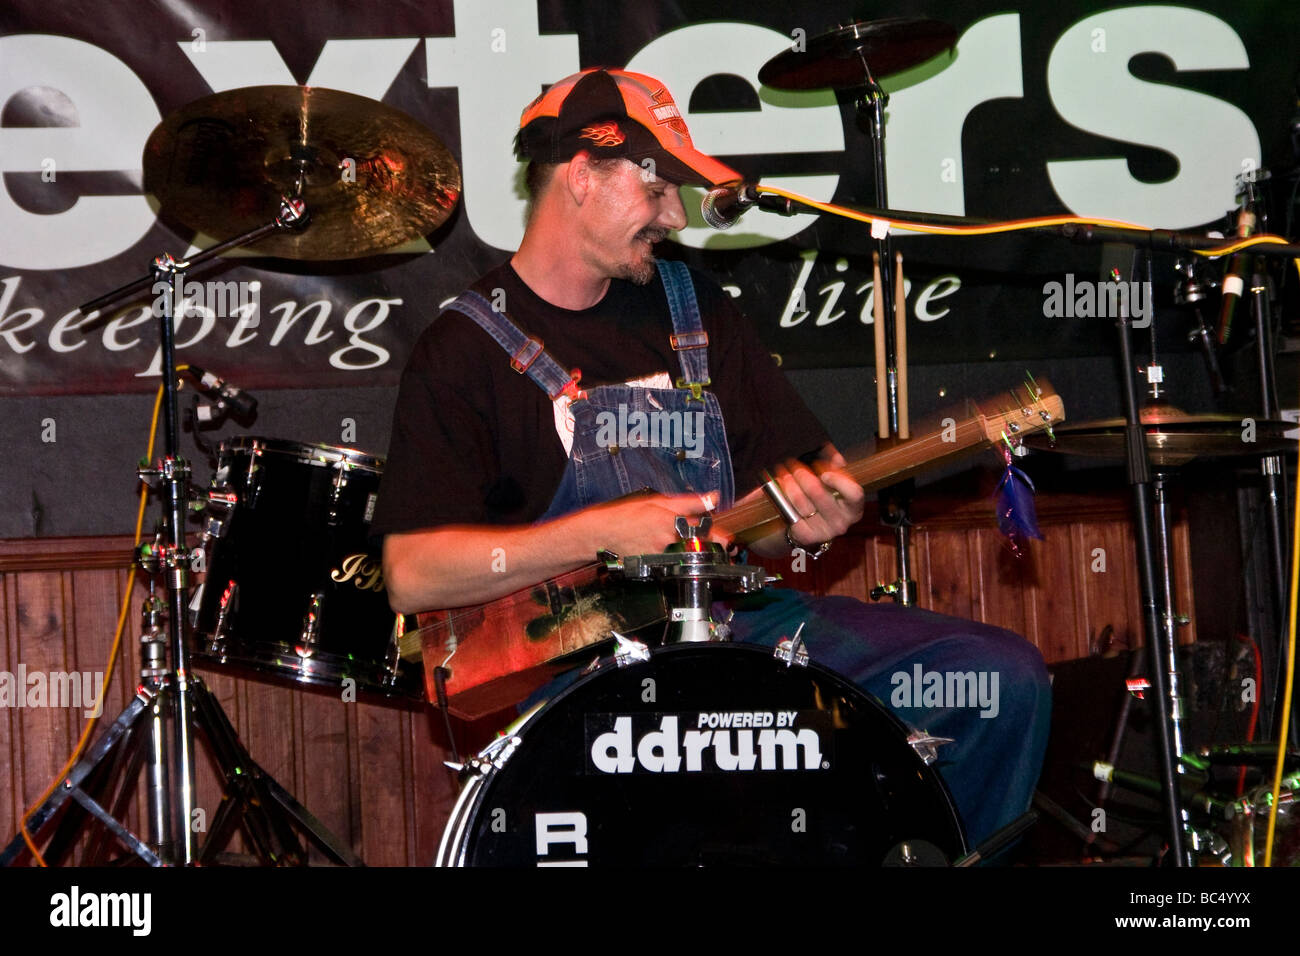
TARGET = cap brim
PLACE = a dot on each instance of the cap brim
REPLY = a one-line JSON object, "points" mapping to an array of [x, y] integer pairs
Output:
{"points": [[688, 166]]}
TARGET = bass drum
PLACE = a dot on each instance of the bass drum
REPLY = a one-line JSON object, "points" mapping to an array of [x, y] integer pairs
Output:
{"points": [[704, 754], [293, 588]]}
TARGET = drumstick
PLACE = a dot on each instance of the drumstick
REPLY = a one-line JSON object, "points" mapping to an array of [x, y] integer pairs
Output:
{"points": [[900, 345], [878, 319]]}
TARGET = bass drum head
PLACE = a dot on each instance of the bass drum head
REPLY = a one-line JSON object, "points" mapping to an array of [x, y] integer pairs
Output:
{"points": [[712, 754]]}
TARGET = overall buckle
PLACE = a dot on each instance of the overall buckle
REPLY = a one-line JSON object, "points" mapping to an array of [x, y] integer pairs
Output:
{"points": [[696, 388]]}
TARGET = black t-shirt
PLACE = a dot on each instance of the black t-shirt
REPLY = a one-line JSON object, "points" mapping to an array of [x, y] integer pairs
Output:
{"points": [[475, 442]]}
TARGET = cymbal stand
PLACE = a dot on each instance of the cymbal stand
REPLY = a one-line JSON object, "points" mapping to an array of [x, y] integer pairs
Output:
{"points": [[171, 704], [1273, 470], [895, 502], [1139, 477]]}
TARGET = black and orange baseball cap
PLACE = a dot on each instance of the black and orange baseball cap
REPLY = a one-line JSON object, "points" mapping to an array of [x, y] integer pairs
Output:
{"points": [[610, 112]]}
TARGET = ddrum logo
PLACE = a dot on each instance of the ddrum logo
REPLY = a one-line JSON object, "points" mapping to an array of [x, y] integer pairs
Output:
{"points": [[762, 740]]}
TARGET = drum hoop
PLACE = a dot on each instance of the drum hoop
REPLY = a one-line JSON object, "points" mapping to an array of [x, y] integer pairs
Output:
{"points": [[309, 454], [454, 844]]}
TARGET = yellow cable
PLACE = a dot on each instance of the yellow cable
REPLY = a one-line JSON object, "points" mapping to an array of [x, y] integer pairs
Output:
{"points": [[113, 652], [1010, 225], [1286, 693]]}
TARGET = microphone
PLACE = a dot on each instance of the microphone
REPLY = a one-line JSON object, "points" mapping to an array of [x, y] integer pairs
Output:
{"points": [[725, 204], [1234, 279], [231, 396]]}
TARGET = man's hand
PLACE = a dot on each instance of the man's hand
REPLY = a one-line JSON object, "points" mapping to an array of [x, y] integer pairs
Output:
{"points": [[646, 524], [457, 565], [828, 500]]}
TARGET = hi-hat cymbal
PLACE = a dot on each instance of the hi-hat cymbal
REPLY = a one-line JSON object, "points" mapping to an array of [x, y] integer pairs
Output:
{"points": [[835, 59], [1173, 437], [372, 176]]}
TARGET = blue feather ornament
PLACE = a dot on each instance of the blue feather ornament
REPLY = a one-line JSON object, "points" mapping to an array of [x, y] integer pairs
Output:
{"points": [[1014, 500]]}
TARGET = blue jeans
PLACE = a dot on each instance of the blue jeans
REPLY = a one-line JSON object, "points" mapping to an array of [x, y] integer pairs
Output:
{"points": [[992, 766]]}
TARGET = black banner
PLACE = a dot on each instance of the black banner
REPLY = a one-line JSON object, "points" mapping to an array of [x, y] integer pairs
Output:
{"points": [[1142, 112]]}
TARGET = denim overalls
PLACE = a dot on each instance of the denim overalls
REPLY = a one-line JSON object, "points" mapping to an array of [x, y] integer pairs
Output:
{"points": [[993, 766]]}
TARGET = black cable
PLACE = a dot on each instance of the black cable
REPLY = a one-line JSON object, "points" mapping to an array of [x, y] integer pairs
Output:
{"points": [[440, 675]]}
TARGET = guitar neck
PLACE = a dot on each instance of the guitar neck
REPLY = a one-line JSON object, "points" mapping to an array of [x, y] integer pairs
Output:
{"points": [[759, 518]]}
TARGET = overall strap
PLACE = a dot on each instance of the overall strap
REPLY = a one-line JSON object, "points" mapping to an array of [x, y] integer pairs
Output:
{"points": [[527, 354], [689, 340]]}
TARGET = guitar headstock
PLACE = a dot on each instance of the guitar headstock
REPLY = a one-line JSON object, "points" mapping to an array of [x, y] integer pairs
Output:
{"points": [[1034, 406]]}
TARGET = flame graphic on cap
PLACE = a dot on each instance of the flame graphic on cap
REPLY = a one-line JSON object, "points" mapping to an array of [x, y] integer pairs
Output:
{"points": [[604, 134]]}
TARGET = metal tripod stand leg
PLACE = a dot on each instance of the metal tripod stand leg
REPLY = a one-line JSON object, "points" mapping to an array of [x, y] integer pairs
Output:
{"points": [[269, 813], [106, 748]]}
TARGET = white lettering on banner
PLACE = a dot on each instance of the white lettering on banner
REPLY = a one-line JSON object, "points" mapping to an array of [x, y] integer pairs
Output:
{"points": [[925, 118], [365, 67], [785, 122], [938, 288], [1096, 92], [110, 339], [11, 323], [493, 88], [114, 113], [19, 334], [355, 321]]}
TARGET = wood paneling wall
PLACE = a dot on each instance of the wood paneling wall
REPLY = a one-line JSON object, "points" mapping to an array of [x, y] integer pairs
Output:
{"points": [[373, 774]]}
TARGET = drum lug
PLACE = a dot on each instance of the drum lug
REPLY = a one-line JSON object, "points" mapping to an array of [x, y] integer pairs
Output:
{"points": [[253, 483], [393, 659], [340, 482], [629, 651], [493, 757], [792, 650], [221, 503], [311, 626], [925, 745], [229, 602]]}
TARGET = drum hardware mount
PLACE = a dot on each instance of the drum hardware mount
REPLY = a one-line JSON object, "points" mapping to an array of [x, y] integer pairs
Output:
{"points": [[696, 565], [926, 745], [895, 513], [629, 650], [494, 755], [792, 650]]}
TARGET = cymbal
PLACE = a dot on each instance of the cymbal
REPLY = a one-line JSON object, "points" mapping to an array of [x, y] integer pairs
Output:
{"points": [[372, 176], [835, 59], [1174, 437]]}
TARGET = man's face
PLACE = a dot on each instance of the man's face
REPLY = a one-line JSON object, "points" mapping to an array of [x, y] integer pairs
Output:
{"points": [[630, 210]]}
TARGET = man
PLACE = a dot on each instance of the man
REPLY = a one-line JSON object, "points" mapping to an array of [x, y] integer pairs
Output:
{"points": [[498, 448]]}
